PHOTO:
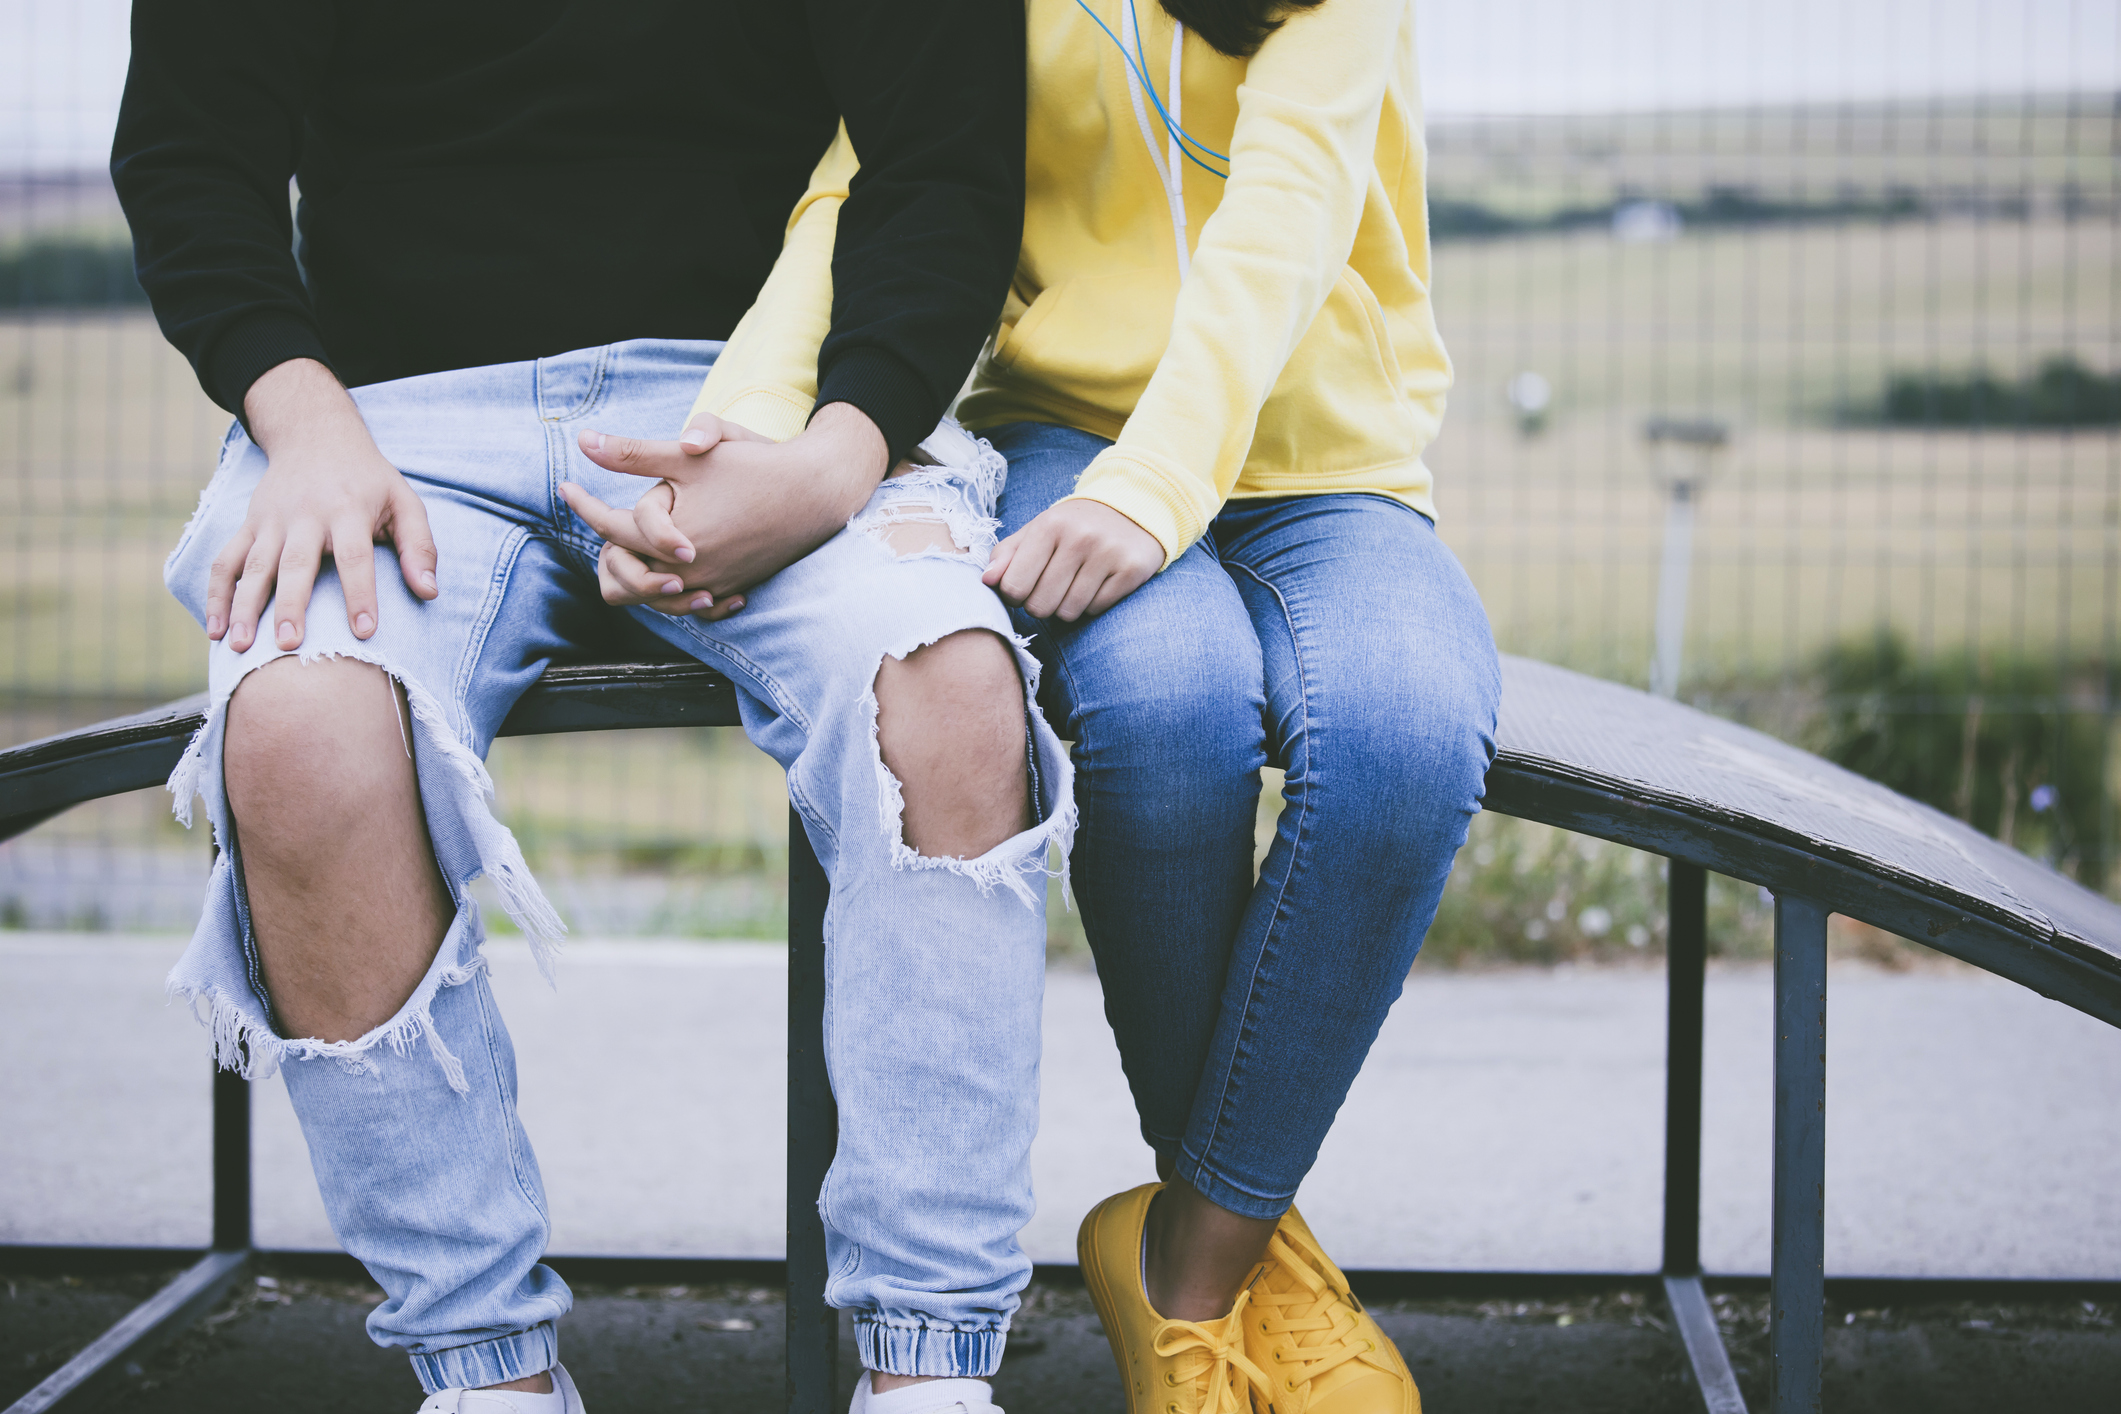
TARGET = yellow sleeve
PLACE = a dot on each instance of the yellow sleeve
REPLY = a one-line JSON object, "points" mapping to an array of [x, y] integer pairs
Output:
{"points": [[766, 377], [1301, 158]]}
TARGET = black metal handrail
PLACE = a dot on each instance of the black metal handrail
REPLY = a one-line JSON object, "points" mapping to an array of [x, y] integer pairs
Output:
{"points": [[1572, 752]]}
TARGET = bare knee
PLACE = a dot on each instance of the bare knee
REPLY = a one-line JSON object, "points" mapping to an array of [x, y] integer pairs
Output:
{"points": [[346, 902], [950, 724], [917, 530], [314, 746]]}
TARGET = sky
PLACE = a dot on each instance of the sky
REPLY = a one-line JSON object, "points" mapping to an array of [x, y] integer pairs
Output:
{"points": [[62, 62]]}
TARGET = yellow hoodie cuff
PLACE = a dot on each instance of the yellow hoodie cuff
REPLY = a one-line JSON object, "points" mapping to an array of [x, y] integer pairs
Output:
{"points": [[1166, 500], [779, 413]]}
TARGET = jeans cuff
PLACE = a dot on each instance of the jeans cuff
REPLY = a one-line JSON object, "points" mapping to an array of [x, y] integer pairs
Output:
{"points": [[490, 1362], [914, 1345], [1225, 1194]]}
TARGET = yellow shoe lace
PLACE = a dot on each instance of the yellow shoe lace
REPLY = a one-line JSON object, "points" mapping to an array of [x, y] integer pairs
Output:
{"points": [[1319, 1319], [1214, 1370]]}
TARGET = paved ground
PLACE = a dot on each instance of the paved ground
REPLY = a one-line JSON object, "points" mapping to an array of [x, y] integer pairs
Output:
{"points": [[1507, 1120], [300, 1346]]}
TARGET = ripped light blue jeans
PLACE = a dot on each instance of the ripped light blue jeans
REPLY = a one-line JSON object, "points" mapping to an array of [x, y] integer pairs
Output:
{"points": [[934, 967]]}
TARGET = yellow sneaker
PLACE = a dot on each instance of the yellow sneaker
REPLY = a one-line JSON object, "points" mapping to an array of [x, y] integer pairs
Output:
{"points": [[1171, 1367], [1320, 1350]]}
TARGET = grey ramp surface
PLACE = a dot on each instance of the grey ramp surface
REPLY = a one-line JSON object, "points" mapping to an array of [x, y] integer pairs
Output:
{"points": [[1574, 728], [1506, 1120], [1557, 728]]}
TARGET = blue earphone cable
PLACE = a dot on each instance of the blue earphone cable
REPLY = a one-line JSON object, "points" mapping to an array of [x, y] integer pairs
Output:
{"points": [[1179, 132], [1186, 141]]}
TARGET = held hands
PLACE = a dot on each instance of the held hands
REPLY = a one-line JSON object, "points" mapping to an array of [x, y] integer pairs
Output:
{"points": [[1075, 560], [326, 490], [730, 508]]}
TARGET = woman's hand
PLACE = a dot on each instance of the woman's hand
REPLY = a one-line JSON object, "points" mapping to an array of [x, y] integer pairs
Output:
{"points": [[1075, 560]]}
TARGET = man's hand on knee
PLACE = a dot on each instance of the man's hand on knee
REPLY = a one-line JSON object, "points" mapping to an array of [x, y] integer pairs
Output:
{"points": [[327, 491], [730, 508]]}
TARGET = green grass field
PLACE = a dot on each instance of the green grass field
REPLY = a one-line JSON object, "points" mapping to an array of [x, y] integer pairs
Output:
{"points": [[1818, 524]]}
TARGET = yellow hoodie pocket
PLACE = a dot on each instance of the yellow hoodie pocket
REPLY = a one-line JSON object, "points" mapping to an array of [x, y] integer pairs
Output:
{"points": [[1092, 341], [1340, 404]]}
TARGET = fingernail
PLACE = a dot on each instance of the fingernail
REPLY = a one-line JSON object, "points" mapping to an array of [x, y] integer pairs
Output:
{"points": [[427, 578], [694, 440], [684, 553], [364, 624], [287, 633], [735, 604], [702, 601], [213, 625], [673, 586], [595, 440]]}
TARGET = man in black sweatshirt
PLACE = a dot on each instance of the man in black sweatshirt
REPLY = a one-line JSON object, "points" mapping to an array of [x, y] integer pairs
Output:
{"points": [[523, 231]]}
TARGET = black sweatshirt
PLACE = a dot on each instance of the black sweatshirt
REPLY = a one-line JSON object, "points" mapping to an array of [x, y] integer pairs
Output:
{"points": [[484, 181]]}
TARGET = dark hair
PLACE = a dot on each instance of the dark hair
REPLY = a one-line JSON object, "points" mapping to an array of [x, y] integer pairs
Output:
{"points": [[1236, 27]]}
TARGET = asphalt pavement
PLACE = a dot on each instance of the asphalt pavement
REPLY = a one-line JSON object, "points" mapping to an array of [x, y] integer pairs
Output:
{"points": [[1507, 1120]]}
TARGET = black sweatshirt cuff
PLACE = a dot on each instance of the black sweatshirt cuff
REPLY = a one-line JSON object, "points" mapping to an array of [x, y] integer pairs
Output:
{"points": [[260, 341], [886, 388]]}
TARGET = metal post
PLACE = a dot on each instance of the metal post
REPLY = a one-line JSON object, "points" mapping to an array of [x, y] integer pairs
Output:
{"points": [[813, 1134], [231, 1161], [1672, 588], [232, 1206], [1686, 970], [1686, 973], [1797, 1333]]}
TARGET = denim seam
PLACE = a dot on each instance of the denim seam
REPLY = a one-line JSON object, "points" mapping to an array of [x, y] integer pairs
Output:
{"points": [[782, 702], [589, 399], [1246, 1026], [504, 569], [483, 995], [253, 965], [808, 809]]}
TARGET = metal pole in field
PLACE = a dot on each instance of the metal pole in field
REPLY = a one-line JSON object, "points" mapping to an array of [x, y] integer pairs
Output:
{"points": [[1797, 1286], [1672, 588], [1695, 441]]}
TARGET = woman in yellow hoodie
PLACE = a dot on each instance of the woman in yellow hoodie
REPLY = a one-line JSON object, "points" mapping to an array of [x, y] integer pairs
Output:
{"points": [[1214, 381], [1214, 392]]}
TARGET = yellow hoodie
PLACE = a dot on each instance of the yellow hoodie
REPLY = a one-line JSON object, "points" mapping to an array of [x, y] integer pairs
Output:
{"points": [[1298, 356]]}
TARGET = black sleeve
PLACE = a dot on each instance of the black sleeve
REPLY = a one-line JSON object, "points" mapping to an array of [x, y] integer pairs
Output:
{"points": [[932, 92], [208, 135]]}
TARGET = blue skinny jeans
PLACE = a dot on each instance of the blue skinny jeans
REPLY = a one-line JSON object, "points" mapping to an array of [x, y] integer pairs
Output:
{"points": [[1333, 636]]}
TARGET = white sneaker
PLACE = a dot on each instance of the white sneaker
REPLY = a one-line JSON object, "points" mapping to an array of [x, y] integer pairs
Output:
{"points": [[964, 1396], [504, 1401]]}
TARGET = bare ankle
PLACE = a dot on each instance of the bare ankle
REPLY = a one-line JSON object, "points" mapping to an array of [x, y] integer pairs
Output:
{"points": [[540, 1383], [881, 1382], [1198, 1254]]}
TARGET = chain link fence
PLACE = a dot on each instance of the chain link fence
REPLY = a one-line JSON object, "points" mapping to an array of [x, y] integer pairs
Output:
{"points": [[1831, 290]]}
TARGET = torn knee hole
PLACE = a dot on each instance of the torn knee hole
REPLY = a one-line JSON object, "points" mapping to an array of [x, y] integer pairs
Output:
{"points": [[915, 530]]}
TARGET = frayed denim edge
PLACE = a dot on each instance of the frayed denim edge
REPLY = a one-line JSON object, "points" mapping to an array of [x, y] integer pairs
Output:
{"points": [[1021, 855], [244, 1042]]}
